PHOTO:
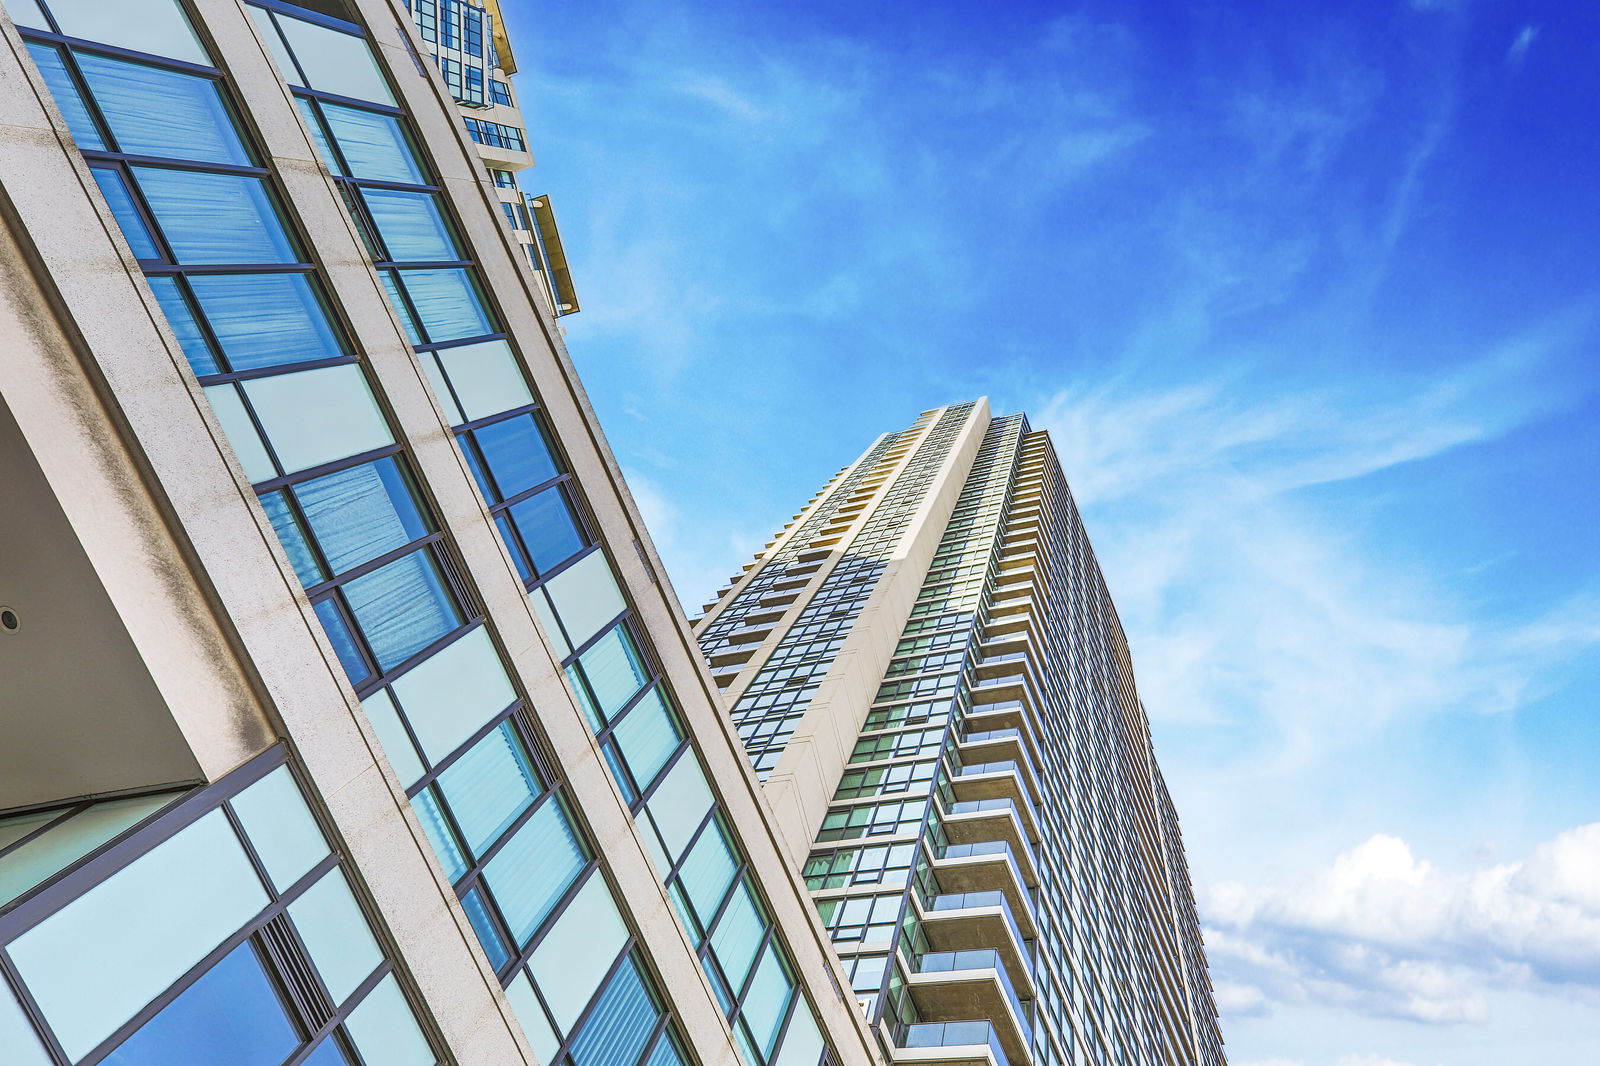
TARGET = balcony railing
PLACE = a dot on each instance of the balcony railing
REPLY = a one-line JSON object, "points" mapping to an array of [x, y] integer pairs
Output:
{"points": [[975, 959], [954, 1034], [960, 901]]}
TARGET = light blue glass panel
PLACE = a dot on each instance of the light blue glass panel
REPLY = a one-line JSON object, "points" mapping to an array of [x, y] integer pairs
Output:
{"points": [[343, 641], [585, 597], [17, 1034], [374, 145], [707, 872], [293, 539], [614, 669], [359, 514], [648, 736], [281, 828], [411, 226], [335, 62], [231, 1014], [385, 1031], [572, 959], [16, 826], [216, 218], [90, 969], [665, 1053], [336, 935], [120, 200], [439, 834], [62, 87], [494, 945], [489, 786], [401, 608], [180, 316], [68, 841], [768, 998], [623, 1018], [680, 803], [533, 869], [266, 319], [535, 1023], [549, 529], [738, 935], [488, 380], [155, 27], [163, 113], [409, 323], [241, 432], [392, 735], [316, 416], [448, 303], [802, 1041], [516, 453], [451, 694], [27, 13]]}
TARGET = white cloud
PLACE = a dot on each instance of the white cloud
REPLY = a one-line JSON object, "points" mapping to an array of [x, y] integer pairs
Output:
{"points": [[699, 560], [1383, 932], [1517, 54]]}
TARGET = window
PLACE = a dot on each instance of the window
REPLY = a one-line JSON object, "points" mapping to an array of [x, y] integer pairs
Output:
{"points": [[501, 92], [324, 58], [505, 179], [495, 134], [513, 216]]}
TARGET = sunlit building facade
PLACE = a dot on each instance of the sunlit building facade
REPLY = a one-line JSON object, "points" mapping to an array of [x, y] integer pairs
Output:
{"points": [[347, 716], [927, 672]]}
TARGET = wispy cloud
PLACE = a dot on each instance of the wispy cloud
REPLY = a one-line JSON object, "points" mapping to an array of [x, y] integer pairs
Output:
{"points": [[1517, 54]]}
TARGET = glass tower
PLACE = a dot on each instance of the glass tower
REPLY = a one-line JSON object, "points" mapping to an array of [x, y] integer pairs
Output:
{"points": [[347, 715], [927, 672]]}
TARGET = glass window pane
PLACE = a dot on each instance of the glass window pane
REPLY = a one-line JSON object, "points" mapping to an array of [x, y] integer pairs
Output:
{"points": [[738, 935], [336, 934], [573, 958], [62, 87], [293, 539], [440, 835], [68, 841], [409, 323], [361, 513], [266, 319], [707, 872], [326, 1053], [488, 380], [494, 945], [411, 226], [525, 1004], [27, 13], [375, 146], [281, 828], [533, 869], [163, 113], [802, 1041], [546, 614], [448, 303], [585, 597], [180, 316], [231, 1015], [665, 1053], [516, 453], [216, 218], [648, 736], [451, 694], [489, 786], [385, 1031], [120, 200], [156, 27], [17, 1034], [319, 135], [503, 524], [768, 998], [680, 804], [392, 735], [549, 529], [316, 416], [621, 1024], [614, 669], [343, 641], [402, 607], [335, 62], [16, 826], [241, 432], [90, 969]]}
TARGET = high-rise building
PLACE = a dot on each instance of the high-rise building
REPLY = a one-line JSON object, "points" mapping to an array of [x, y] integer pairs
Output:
{"points": [[346, 716], [927, 672]]}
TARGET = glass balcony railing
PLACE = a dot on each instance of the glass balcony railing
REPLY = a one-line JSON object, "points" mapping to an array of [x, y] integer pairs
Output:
{"points": [[1010, 656], [992, 734], [954, 1034], [998, 766], [981, 847], [975, 959], [960, 901]]}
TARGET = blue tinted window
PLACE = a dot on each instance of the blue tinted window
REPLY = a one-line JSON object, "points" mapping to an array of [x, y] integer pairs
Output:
{"points": [[494, 944], [359, 514], [648, 736], [374, 145], [266, 319], [216, 218], [328, 1054], [66, 95], [401, 608], [517, 455], [231, 1014], [614, 669], [622, 1020], [180, 316], [343, 641], [447, 301], [392, 287], [293, 538], [162, 112], [489, 786], [503, 524], [411, 226], [548, 528], [439, 833], [128, 217], [534, 869]]}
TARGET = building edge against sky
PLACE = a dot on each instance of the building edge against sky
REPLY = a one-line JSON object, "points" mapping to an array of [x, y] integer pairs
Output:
{"points": [[347, 701], [927, 671]]}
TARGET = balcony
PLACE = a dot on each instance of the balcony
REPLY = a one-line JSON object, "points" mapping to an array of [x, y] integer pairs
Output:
{"points": [[1000, 745], [956, 921], [985, 866], [997, 780], [973, 821], [973, 1043], [961, 985]]}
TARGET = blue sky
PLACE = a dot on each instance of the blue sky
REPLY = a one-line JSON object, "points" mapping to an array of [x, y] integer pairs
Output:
{"points": [[1308, 295]]}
